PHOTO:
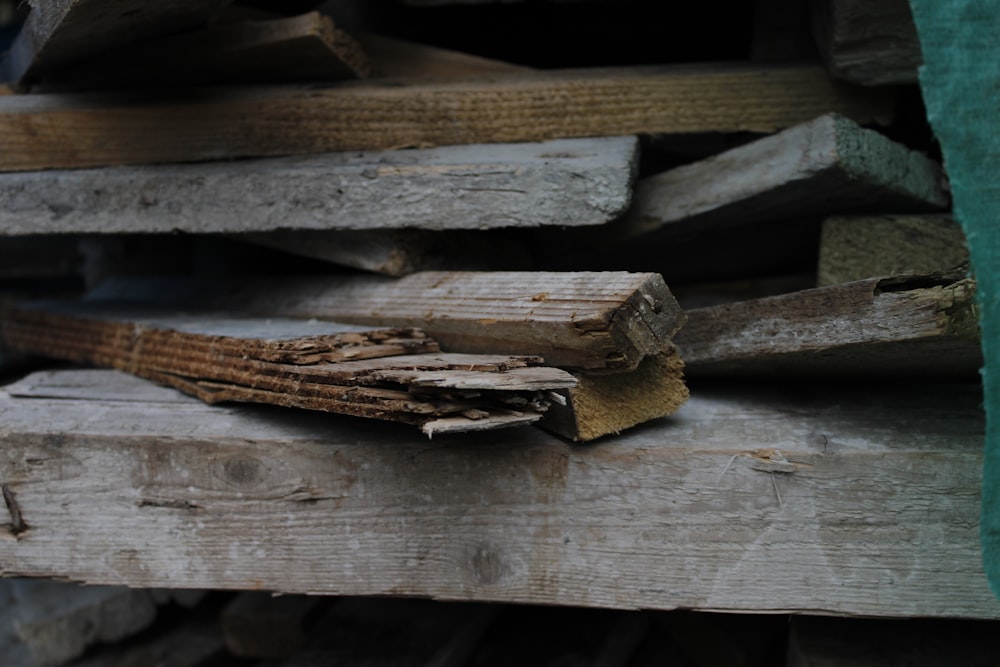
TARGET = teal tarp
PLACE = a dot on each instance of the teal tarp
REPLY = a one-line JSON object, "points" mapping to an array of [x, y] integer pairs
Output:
{"points": [[961, 85]]}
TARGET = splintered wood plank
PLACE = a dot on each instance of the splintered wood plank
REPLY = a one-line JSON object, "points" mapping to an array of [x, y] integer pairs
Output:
{"points": [[563, 182], [858, 247], [869, 42], [226, 122], [695, 511], [881, 326], [298, 48], [594, 320], [610, 403], [304, 364], [398, 252], [828, 165], [61, 32]]}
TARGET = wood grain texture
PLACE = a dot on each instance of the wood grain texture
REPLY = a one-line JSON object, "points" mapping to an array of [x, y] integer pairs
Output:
{"points": [[888, 327], [859, 247], [825, 166], [73, 131], [868, 42], [563, 182], [61, 32], [842, 491]]}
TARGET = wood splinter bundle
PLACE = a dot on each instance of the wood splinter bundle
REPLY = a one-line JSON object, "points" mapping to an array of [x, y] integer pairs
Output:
{"points": [[397, 374]]}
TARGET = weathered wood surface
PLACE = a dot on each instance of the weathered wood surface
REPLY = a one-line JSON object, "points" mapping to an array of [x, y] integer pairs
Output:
{"points": [[567, 182], [89, 130], [869, 42], [610, 403], [592, 320], [843, 491], [400, 252], [388, 374], [859, 247], [260, 625], [880, 326], [308, 47], [828, 165], [61, 32], [44, 623]]}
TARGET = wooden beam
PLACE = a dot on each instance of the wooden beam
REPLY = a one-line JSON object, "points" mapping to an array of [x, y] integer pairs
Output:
{"points": [[868, 42], [859, 247], [828, 165], [308, 47], [62, 32], [564, 182], [840, 489], [216, 123], [880, 326]]}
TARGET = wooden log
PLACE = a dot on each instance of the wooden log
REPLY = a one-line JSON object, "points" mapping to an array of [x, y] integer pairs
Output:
{"points": [[828, 165], [568, 182], [859, 247], [260, 625], [872, 43], [226, 122], [46, 623], [610, 403], [697, 512], [881, 326], [299, 48], [396, 253], [61, 32]]}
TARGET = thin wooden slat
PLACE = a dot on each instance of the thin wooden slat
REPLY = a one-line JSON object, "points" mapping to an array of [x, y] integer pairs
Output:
{"points": [[840, 489], [216, 123], [879, 326], [566, 183]]}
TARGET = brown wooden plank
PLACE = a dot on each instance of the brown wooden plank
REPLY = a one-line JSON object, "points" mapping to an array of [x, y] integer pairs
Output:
{"points": [[887, 327], [214, 123], [692, 512]]}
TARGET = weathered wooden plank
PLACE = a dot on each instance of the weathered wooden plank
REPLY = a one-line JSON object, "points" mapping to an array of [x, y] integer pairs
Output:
{"points": [[307, 47], [566, 183], [45, 623], [828, 165], [61, 32], [859, 247], [610, 403], [869, 42], [226, 122], [878, 326], [260, 625], [841, 490]]}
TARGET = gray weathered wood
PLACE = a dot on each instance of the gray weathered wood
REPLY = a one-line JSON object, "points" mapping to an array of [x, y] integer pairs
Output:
{"points": [[45, 623], [568, 182], [61, 32], [869, 42], [859, 247], [141, 127], [884, 326], [796, 498], [829, 165]]}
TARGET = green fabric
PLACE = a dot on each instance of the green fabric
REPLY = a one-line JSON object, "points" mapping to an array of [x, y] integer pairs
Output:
{"points": [[961, 85]]}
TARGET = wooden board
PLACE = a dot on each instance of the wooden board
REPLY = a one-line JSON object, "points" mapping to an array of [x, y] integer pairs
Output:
{"points": [[868, 42], [217, 123], [61, 32], [880, 326], [859, 247], [592, 320], [843, 491], [298, 48], [828, 165], [564, 182]]}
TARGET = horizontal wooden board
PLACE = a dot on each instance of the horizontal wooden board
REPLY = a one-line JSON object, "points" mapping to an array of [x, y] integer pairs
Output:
{"points": [[881, 326], [74, 131], [843, 491], [563, 182]]}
